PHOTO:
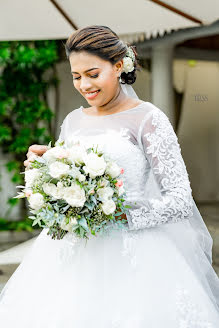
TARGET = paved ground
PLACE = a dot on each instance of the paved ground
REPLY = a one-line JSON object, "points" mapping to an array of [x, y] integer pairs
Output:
{"points": [[210, 213]]}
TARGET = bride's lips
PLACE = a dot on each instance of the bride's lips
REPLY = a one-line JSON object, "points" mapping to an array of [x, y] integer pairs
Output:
{"points": [[92, 95]]}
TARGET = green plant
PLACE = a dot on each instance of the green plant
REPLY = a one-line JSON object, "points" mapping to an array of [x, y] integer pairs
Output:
{"points": [[27, 72], [21, 225]]}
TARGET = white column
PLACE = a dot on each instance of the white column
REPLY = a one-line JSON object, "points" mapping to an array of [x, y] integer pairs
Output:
{"points": [[162, 84]]}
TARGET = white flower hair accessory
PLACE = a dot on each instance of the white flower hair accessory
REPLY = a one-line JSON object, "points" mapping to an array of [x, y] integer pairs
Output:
{"points": [[128, 61]]}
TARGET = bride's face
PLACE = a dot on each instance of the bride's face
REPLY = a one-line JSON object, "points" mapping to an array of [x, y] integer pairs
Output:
{"points": [[91, 73]]}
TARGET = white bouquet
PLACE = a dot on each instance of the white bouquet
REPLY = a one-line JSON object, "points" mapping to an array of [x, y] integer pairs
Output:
{"points": [[74, 189]]}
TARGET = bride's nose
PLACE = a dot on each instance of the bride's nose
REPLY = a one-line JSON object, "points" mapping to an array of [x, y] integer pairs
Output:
{"points": [[85, 85]]}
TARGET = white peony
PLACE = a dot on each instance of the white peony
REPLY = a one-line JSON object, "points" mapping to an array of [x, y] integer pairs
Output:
{"points": [[77, 154], [105, 193], [94, 165], [68, 226], [55, 153], [36, 201], [128, 65], [113, 169], [31, 176], [58, 169], [74, 195], [108, 207]]}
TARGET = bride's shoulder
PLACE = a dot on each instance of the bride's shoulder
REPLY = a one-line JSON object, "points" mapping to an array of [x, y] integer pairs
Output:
{"points": [[145, 107], [69, 116], [149, 107], [75, 111], [148, 113]]}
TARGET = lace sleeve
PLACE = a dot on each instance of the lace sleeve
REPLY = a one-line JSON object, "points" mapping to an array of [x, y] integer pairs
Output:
{"points": [[161, 148]]}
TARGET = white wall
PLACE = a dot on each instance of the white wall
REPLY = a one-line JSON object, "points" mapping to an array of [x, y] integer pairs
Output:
{"points": [[199, 127]]}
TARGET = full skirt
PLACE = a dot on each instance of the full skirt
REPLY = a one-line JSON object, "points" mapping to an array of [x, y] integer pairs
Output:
{"points": [[149, 278]]}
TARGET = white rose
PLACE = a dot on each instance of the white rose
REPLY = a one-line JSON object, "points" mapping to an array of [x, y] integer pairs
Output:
{"points": [[108, 207], [52, 154], [74, 172], [51, 190], [31, 176], [60, 185], [81, 177], [74, 195], [28, 192], [104, 182], [58, 169], [68, 226], [113, 169], [94, 165], [105, 193], [77, 154], [128, 65], [36, 201]]}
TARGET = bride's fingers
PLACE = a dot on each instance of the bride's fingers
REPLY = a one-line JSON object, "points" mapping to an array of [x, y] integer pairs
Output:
{"points": [[38, 149], [30, 153], [26, 163]]}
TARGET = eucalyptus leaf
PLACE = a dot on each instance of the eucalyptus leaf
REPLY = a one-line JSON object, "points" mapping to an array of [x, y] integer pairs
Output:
{"points": [[118, 213], [83, 223], [93, 199]]}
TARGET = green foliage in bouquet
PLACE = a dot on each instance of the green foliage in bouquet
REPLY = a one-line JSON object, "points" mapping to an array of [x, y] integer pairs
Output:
{"points": [[25, 116]]}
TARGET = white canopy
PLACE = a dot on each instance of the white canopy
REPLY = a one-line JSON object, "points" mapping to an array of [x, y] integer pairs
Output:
{"points": [[131, 20]]}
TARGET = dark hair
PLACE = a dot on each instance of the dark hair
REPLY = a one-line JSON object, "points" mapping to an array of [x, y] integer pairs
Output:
{"points": [[102, 41]]}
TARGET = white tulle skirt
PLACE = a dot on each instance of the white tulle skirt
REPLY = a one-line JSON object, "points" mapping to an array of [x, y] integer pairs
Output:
{"points": [[150, 278]]}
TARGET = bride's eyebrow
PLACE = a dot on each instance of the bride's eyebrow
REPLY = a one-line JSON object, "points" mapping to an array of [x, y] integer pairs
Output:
{"points": [[88, 70]]}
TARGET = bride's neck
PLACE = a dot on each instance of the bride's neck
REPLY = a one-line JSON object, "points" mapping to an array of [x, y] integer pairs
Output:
{"points": [[119, 101]]}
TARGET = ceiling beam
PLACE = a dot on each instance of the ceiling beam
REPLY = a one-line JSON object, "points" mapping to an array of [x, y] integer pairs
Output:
{"points": [[177, 11], [63, 13]]}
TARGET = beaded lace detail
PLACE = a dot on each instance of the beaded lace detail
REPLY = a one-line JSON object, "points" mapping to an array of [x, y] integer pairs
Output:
{"points": [[163, 152]]}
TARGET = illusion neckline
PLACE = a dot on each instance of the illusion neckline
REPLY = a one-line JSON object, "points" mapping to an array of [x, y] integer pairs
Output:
{"points": [[123, 111]]}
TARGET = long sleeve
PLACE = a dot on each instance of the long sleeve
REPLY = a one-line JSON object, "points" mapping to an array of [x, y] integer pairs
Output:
{"points": [[160, 145]]}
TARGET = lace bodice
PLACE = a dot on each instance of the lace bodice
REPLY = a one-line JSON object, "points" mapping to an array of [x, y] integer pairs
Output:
{"points": [[142, 141]]}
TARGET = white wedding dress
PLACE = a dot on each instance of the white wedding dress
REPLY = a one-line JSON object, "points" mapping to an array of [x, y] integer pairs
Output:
{"points": [[156, 273]]}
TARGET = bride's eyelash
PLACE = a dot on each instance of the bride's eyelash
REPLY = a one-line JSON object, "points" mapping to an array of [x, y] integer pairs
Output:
{"points": [[96, 75]]}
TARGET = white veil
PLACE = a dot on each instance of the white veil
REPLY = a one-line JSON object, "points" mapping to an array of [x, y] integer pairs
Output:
{"points": [[191, 237], [202, 234], [128, 89]]}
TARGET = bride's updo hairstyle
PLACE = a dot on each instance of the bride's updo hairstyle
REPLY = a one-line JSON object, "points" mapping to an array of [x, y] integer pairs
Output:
{"points": [[103, 42]]}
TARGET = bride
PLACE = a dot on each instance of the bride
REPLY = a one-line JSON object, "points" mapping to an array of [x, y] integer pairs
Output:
{"points": [[156, 273]]}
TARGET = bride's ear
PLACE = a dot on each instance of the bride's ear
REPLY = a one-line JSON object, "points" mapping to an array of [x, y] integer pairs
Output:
{"points": [[119, 67]]}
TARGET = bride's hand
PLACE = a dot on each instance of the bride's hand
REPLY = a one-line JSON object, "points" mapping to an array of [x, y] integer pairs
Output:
{"points": [[38, 150]]}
